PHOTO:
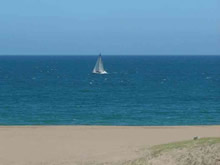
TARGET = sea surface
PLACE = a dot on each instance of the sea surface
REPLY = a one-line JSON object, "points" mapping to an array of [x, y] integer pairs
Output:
{"points": [[139, 90]]}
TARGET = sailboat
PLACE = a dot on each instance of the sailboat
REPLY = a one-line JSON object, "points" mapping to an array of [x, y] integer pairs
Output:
{"points": [[99, 68]]}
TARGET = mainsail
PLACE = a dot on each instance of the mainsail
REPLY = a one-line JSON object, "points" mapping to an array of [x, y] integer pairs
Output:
{"points": [[99, 68]]}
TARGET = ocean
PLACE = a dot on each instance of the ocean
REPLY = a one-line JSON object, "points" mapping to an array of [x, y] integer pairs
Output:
{"points": [[139, 90]]}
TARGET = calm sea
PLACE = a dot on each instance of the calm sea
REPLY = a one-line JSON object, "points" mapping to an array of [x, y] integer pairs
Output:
{"points": [[139, 90]]}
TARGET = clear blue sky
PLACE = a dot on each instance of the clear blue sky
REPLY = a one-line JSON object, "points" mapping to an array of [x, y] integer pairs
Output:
{"points": [[78, 27]]}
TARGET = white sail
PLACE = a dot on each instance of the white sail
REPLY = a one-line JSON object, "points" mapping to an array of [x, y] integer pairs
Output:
{"points": [[99, 67]]}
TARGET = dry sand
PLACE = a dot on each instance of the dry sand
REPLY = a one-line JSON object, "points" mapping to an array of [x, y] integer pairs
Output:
{"points": [[68, 145]]}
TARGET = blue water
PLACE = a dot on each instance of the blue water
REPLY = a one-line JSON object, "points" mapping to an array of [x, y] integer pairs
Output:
{"points": [[139, 90]]}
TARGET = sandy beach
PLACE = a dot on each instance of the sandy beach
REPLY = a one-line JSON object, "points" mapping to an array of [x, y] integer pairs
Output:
{"points": [[45, 145]]}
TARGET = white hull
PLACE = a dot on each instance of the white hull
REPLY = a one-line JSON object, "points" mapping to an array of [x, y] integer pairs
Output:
{"points": [[104, 72]]}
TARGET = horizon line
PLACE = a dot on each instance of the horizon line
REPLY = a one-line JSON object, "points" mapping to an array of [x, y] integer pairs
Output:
{"points": [[110, 54]]}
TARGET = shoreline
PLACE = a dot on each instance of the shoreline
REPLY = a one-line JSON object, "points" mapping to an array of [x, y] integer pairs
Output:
{"points": [[69, 144], [162, 126]]}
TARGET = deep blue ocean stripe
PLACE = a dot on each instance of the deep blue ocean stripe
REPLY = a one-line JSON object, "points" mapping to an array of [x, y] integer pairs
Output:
{"points": [[139, 90]]}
